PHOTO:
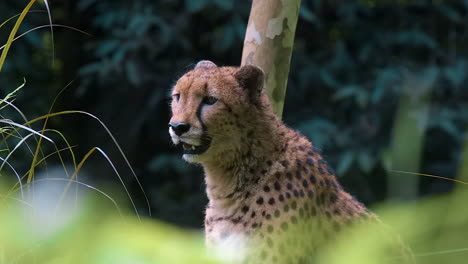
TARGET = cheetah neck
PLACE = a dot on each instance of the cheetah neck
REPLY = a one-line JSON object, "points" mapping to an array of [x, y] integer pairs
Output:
{"points": [[234, 175]]}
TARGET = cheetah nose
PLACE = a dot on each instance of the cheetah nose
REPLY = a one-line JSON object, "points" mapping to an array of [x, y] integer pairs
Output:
{"points": [[179, 128]]}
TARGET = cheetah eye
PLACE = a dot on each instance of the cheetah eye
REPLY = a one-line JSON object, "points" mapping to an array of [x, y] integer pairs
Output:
{"points": [[209, 100], [176, 97]]}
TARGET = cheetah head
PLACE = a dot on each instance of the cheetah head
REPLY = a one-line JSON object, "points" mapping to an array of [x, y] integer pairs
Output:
{"points": [[209, 105]]}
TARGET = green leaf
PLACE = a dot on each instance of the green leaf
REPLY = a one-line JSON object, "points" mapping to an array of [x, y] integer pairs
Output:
{"points": [[345, 92], [224, 4], [133, 74], [346, 160], [194, 6], [456, 73], [366, 161], [308, 15]]}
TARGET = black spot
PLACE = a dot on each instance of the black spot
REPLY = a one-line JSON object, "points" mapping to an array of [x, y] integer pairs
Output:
{"points": [[301, 212], [269, 163], [298, 175], [266, 188], [285, 163], [310, 193], [270, 242], [312, 179], [277, 175], [271, 201], [301, 148], [336, 212], [289, 186], [321, 161], [310, 161], [310, 153], [330, 170], [305, 183], [284, 226], [247, 195], [322, 171], [277, 186], [277, 213], [288, 195], [294, 205], [293, 219], [333, 198], [286, 208], [314, 211], [301, 193], [263, 171], [281, 198], [299, 163], [252, 171], [289, 176], [296, 193], [270, 229], [327, 182], [263, 213], [254, 225], [253, 214], [260, 200], [245, 209], [268, 216]]}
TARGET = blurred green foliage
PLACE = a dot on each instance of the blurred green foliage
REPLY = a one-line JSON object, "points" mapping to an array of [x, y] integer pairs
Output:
{"points": [[351, 60]]}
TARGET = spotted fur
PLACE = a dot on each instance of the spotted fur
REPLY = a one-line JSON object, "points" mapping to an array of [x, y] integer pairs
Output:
{"points": [[272, 197]]}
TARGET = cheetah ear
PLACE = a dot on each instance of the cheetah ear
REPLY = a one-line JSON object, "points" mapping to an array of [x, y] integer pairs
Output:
{"points": [[251, 78], [205, 64]]}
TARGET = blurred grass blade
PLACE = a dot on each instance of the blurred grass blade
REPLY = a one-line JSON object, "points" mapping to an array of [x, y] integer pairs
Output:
{"points": [[113, 140], [13, 188], [448, 251], [51, 30], [12, 94], [44, 26], [11, 18], [14, 149], [87, 186], [80, 165], [13, 33], [430, 175], [25, 128], [16, 174]]}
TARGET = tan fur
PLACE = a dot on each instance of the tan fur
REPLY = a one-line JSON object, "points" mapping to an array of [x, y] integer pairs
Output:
{"points": [[266, 183]]}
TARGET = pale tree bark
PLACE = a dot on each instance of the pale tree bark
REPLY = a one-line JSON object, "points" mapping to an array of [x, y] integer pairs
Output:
{"points": [[268, 43]]}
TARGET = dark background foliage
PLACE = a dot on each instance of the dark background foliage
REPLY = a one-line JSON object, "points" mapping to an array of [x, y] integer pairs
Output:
{"points": [[350, 61]]}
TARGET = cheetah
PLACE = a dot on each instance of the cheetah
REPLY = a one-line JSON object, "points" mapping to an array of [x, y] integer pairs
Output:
{"points": [[272, 197]]}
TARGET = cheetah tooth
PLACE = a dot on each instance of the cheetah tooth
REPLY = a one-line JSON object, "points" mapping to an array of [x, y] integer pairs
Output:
{"points": [[193, 147]]}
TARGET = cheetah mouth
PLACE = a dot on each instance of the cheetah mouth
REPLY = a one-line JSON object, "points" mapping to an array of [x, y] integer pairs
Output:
{"points": [[196, 150]]}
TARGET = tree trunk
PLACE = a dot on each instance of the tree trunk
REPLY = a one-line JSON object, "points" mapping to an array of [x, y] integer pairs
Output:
{"points": [[268, 43]]}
